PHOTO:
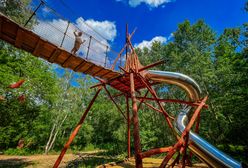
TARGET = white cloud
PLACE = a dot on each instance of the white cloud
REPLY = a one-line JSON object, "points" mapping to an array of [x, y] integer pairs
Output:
{"points": [[151, 3], [171, 36], [106, 28], [148, 44], [53, 31]]}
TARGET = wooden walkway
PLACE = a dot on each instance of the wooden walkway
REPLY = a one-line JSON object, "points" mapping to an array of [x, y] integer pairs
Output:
{"points": [[25, 39], [28, 41]]}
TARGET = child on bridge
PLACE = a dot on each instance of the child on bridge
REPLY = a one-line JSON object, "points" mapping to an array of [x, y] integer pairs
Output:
{"points": [[78, 42]]}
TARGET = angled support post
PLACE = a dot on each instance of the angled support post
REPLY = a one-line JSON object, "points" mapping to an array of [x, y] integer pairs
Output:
{"points": [[112, 99], [183, 141], [142, 101], [152, 91], [75, 131]]}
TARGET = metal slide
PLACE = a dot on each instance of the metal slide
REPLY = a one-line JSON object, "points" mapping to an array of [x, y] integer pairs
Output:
{"points": [[212, 156]]}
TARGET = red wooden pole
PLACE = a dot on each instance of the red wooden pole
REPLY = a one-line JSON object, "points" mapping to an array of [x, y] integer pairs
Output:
{"points": [[128, 131], [185, 151], [181, 141], [112, 99], [171, 101], [194, 116], [75, 131], [137, 148], [153, 92], [155, 151], [141, 101]]}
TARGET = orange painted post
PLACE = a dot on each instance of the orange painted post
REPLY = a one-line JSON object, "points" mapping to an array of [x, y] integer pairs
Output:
{"points": [[194, 116], [75, 131], [128, 131], [137, 148], [185, 150], [112, 99], [142, 101], [152, 91], [182, 141], [175, 160], [155, 151]]}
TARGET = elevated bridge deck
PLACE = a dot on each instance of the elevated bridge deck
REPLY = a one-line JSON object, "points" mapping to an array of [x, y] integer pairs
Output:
{"points": [[25, 39], [30, 42]]}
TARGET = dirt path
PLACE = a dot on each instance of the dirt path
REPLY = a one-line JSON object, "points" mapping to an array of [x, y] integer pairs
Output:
{"points": [[82, 160], [39, 161]]}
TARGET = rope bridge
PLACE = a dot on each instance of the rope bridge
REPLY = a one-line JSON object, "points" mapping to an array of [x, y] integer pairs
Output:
{"points": [[47, 34]]}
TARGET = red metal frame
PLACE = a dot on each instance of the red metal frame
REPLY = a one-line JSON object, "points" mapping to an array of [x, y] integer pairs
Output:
{"points": [[128, 130], [129, 83]]}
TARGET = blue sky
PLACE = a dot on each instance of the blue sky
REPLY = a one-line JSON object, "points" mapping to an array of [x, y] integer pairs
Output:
{"points": [[153, 18]]}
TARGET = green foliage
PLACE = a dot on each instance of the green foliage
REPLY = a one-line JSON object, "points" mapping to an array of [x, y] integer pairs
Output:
{"points": [[16, 10], [21, 152], [53, 105], [219, 64], [39, 89]]}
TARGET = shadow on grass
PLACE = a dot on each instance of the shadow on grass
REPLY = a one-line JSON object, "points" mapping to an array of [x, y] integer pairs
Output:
{"points": [[89, 162], [15, 163]]}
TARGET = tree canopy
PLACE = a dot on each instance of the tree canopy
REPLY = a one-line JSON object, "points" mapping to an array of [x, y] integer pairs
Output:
{"points": [[53, 104]]}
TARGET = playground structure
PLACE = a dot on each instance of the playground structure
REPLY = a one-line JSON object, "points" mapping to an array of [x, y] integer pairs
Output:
{"points": [[132, 78]]}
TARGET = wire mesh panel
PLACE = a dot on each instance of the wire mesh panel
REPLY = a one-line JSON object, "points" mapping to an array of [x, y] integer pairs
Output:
{"points": [[51, 29], [51, 26]]}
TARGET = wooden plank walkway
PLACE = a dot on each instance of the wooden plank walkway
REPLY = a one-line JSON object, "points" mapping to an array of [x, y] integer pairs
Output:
{"points": [[25, 39], [28, 41]]}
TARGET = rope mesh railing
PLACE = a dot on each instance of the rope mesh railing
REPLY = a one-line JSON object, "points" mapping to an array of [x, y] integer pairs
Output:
{"points": [[50, 25]]}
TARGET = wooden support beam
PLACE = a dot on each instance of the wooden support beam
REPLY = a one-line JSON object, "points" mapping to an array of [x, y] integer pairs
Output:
{"points": [[184, 151], [105, 74], [152, 91], [152, 107], [137, 147], [118, 56], [55, 55], [185, 133], [97, 85], [155, 151], [172, 101], [123, 70], [122, 50], [38, 48], [194, 116], [19, 38], [89, 69], [119, 94], [112, 99], [175, 160], [141, 101], [94, 74], [75, 131], [79, 66], [152, 65], [128, 130], [63, 64], [122, 82], [168, 157]]}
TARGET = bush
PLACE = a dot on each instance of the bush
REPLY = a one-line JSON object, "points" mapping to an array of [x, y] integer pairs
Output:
{"points": [[21, 152]]}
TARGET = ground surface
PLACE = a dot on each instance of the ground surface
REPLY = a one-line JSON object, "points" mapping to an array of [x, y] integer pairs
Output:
{"points": [[82, 160]]}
